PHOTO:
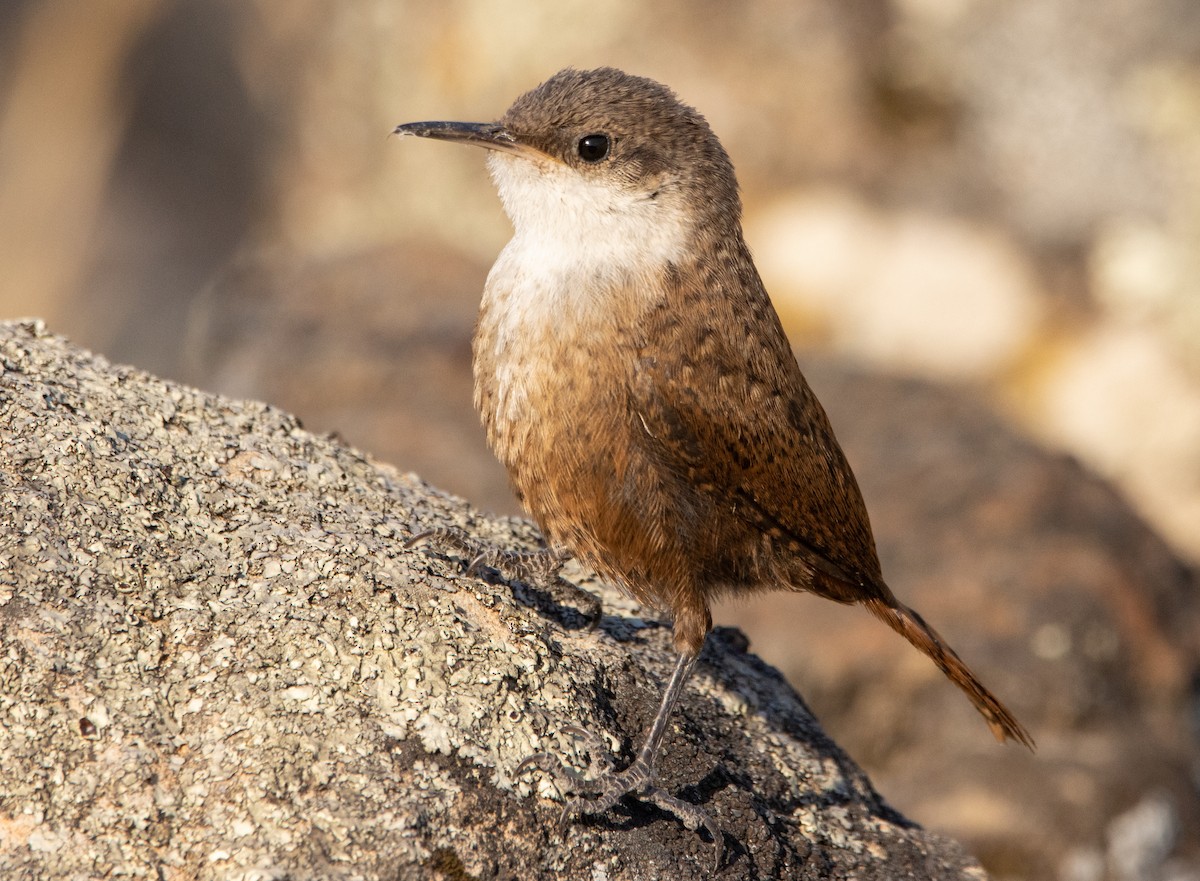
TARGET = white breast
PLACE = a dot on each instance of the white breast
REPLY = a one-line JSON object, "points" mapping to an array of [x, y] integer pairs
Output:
{"points": [[583, 255]]}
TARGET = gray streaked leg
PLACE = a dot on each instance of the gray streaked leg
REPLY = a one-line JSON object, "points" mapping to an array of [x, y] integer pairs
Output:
{"points": [[596, 795]]}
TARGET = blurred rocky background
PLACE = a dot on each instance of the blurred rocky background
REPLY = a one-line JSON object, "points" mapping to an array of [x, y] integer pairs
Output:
{"points": [[980, 222]]}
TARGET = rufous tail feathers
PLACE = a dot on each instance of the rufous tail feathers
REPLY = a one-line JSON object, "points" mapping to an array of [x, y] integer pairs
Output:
{"points": [[912, 627]]}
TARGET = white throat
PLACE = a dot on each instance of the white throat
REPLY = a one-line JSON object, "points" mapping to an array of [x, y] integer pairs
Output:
{"points": [[574, 237]]}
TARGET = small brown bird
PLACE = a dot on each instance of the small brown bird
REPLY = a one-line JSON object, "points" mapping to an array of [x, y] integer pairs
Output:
{"points": [[634, 379]]}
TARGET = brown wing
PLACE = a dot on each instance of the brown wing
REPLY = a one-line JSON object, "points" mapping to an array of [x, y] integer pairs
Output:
{"points": [[727, 409], [725, 406]]}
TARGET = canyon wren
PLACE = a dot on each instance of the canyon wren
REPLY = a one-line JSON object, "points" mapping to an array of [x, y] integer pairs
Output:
{"points": [[634, 379]]}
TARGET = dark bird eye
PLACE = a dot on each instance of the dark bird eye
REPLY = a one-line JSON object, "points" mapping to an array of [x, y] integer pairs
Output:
{"points": [[593, 148]]}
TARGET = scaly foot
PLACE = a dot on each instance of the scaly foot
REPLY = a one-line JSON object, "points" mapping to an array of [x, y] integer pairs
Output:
{"points": [[606, 786], [539, 568]]}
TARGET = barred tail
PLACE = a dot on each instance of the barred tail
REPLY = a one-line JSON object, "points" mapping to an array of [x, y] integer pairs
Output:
{"points": [[912, 627]]}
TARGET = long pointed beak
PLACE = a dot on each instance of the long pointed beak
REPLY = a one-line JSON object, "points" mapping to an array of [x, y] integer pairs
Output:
{"points": [[490, 135]]}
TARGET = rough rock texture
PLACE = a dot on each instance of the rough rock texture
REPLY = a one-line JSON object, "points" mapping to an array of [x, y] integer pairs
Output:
{"points": [[218, 661]]}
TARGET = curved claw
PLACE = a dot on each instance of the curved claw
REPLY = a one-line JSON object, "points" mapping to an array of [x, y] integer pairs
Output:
{"points": [[692, 816], [564, 816], [534, 760], [476, 562], [414, 540]]}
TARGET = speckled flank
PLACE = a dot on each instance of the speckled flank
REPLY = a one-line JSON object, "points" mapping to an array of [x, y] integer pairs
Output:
{"points": [[217, 662]]}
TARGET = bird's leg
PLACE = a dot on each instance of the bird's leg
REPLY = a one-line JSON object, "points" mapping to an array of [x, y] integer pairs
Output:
{"points": [[540, 568], [597, 795], [602, 793]]}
